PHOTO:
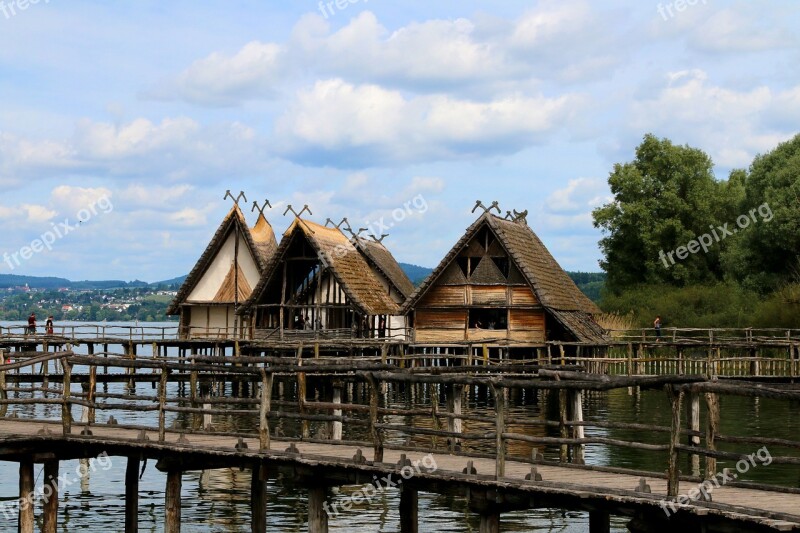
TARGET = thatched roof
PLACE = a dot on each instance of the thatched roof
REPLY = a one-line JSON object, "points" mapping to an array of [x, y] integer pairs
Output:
{"points": [[346, 264], [379, 256], [552, 286], [260, 241]]}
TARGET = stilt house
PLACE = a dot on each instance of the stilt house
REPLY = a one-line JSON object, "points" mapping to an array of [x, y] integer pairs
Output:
{"points": [[224, 278], [320, 284], [499, 285]]}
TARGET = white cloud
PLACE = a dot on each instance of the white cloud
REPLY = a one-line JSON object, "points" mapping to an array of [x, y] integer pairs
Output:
{"points": [[725, 123], [69, 200], [220, 80], [369, 125], [26, 214], [580, 196], [745, 28]]}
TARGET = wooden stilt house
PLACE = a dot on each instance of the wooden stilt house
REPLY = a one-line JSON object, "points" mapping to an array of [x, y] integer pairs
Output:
{"points": [[500, 286], [223, 278], [319, 285]]}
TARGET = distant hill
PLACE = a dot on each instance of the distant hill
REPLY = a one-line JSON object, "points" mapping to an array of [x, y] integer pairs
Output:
{"points": [[52, 283], [416, 274]]}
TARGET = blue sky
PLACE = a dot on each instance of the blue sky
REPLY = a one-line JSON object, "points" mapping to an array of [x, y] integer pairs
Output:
{"points": [[357, 109]]}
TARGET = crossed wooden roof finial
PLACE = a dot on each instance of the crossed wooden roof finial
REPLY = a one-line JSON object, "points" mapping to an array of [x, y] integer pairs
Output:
{"points": [[521, 216], [262, 207], [495, 205], [379, 241], [295, 213], [235, 199], [339, 225]]}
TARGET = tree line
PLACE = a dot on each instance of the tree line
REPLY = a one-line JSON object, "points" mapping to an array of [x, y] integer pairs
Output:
{"points": [[698, 250]]}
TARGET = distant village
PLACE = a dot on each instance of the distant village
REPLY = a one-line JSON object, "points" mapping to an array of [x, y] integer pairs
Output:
{"points": [[65, 304]]}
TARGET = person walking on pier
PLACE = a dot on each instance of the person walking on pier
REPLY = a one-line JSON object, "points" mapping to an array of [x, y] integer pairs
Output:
{"points": [[48, 326], [657, 327], [32, 324]]}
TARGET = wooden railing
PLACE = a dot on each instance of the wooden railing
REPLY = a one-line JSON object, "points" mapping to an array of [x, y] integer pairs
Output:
{"points": [[272, 401]]}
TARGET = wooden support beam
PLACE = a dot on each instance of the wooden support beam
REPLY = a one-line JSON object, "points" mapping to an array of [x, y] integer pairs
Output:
{"points": [[132, 495], [409, 510], [562, 424], [336, 426], [50, 497], [258, 499], [490, 523], [694, 425], [266, 399], [500, 428], [673, 473], [455, 395], [317, 517], [576, 407], [172, 520], [712, 430], [26, 485], [599, 522]]}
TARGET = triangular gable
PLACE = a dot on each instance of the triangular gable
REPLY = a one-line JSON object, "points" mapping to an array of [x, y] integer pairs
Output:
{"points": [[234, 219], [345, 263], [227, 291], [528, 258], [488, 273]]}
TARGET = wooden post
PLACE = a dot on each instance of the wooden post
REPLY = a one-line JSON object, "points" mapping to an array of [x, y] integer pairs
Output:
{"points": [[694, 425], [599, 522], [66, 407], [132, 495], [301, 393], [577, 431], [562, 423], [373, 419], [50, 496], [162, 401], [500, 428], [490, 523], [712, 430], [91, 416], [317, 517], [26, 485], [409, 510], [172, 523], [336, 426], [455, 395], [3, 393], [673, 474], [266, 400], [258, 499]]}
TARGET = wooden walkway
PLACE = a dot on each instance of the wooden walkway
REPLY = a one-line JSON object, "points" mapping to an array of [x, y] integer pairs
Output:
{"points": [[568, 485]]}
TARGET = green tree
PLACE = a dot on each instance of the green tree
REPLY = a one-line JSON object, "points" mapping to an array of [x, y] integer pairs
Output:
{"points": [[664, 198], [765, 255]]}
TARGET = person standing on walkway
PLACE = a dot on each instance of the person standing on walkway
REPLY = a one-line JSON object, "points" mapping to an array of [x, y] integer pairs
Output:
{"points": [[657, 327], [32, 324], [48, 326]]}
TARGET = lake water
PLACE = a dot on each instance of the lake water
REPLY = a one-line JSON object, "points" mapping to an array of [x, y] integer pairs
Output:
{"points": [[218, 500]]}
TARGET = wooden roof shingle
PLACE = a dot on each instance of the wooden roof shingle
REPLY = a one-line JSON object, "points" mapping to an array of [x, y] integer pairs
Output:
{"points": [[345, 262]]}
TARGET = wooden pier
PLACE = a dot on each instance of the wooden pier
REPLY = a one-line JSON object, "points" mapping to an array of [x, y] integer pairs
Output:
{"points": [[327, 422]]}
